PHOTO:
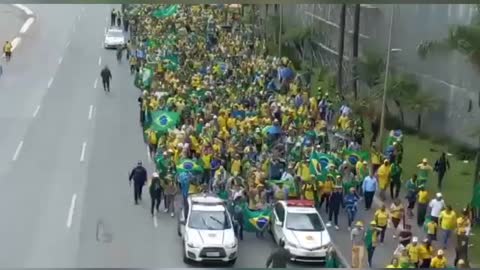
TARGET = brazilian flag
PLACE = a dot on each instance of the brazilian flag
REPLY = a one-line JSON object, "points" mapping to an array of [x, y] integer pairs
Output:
{"points": [[355, 156], [258, 220], [188, 165], [163, 121], [165, 12], [324, 160], [290, 184]]}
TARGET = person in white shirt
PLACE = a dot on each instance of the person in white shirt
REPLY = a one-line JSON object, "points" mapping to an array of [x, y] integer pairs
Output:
{"points": [[436, 206], [287, 175]]}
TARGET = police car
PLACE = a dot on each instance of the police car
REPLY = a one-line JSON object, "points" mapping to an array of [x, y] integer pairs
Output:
{"points": [[299, 224], [207, 231]]}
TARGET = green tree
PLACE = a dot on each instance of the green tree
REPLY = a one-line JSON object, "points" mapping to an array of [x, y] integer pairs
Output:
{"points": [[370, 68], [298, 37], [422, 103], [462, 38], [403, 90]]}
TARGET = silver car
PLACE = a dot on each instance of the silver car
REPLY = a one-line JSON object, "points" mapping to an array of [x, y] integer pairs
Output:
{"points": [[114, 38]]}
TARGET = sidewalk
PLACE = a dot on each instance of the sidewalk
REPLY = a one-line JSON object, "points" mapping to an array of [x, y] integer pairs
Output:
{"points": [[384, 253]]}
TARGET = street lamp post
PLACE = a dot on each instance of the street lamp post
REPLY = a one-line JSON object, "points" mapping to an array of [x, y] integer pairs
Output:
{"points": [[385, 84]]}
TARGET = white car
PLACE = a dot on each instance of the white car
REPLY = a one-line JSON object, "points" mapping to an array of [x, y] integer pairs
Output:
{"points": [[299, 224], [207, 231], [114, 37]]}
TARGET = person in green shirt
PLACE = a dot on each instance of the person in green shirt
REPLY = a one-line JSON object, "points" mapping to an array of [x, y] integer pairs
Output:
{"points": [[396, 182], [371, 240]]}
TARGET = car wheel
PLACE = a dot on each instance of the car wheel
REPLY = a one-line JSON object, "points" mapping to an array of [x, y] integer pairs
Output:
{"points": [[186, 260]]}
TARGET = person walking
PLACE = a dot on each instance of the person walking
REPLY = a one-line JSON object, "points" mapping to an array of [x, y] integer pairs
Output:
{"points": [[396, 182], [461, 249], [422, 206], [156, 190], [334, 204], [119, 18], [412, 189], [369, 188], [413, 252], [439, 261], [436, 206], [405, 235], [358, 249], [279, 258], [113, 16], [425, 252], [448, 223], [441, 166], [170, 192], [350, 203], [7, 50], [371, 240], [383, 174], [238, 217], [139, 177], [397, 213], [126, 24], [381, 218], [106, 77]]}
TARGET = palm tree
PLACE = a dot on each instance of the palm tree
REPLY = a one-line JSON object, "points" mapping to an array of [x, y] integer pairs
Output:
{"points": [[462, 38], [356, 35], [422, 103], [297, 37], [370, 68], [341, 43], [401, 88]]}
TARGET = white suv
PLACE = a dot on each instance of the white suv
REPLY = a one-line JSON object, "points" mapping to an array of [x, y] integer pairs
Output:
{"points": [[303, 230], [207, 230]]}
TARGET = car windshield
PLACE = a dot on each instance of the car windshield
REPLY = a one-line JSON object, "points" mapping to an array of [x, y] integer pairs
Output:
{"points": [[115, 34], [304, 222], [209, 220]]}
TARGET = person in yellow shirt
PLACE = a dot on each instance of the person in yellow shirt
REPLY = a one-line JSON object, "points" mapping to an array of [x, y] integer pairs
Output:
{"points": [[397, 213], [309, 189], [394, 264], [343, 122], [447, 221], [423, 200], [303, 170], [413, 252], [236, 166], [7, 49], [152, 142], [439, 261], [384, 178], [381, 218], [432, 230], [463, 222], [425, 252], [327, 190]]}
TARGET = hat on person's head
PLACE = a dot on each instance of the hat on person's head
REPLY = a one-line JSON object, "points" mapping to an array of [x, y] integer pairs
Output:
{"points": [[424, 160], [421, 187], [170, 151], [338, 187], [438, 195], [440, 252], [359, 224], [365, 162], [460, 261], [155, 174], [415, 239], [426, 240], [373, 223]]}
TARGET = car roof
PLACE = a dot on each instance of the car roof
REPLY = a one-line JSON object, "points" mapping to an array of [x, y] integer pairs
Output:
{"points": [[114, 30], [298, 209], [206, 199], [202, 207]]}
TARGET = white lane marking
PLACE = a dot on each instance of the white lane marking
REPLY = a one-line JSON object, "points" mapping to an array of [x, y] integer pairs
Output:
{"points": [[82, 154], [99, 60], [15, 42], [36, 111], [60, 60], [95, 83], [90, 112], [17, 151], [24, 9], [68, 44], [155, 223], [26, 25], [71, 210], [148, 155], [50, 82]]}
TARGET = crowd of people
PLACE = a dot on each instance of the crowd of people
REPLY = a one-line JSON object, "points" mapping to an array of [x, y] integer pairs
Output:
{"points": [[246, 118]]}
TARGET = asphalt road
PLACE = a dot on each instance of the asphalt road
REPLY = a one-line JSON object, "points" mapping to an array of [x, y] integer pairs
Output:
{"points": [[67, 148]]}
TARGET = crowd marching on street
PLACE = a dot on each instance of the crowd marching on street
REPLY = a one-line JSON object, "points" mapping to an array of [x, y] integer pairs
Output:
{"points": [[246, 118]]}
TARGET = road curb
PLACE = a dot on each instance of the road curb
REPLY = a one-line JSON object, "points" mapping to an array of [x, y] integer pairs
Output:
{"points": [[26, 25]]}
